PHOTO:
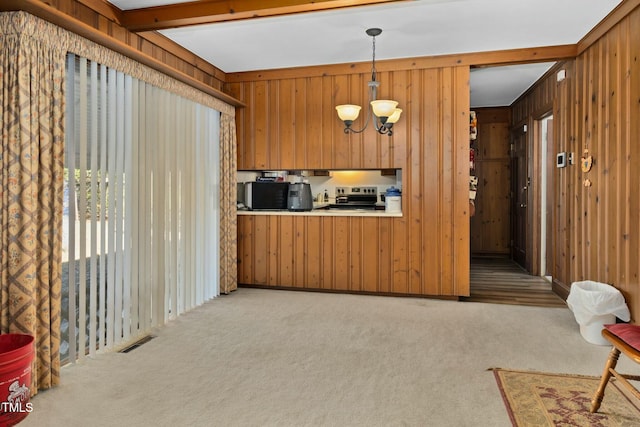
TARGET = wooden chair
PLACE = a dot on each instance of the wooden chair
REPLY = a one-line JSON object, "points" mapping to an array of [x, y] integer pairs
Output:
{"points": [[625, 339]]}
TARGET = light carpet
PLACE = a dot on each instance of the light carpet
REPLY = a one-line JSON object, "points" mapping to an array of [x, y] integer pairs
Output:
{"points": [[263, 357], [545, 399]]}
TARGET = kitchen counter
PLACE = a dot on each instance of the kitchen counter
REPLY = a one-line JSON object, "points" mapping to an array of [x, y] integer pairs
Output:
{"points": [[322, 209]]}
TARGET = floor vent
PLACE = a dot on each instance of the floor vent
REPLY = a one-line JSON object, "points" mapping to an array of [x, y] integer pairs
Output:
{"points": [[137, 344]]}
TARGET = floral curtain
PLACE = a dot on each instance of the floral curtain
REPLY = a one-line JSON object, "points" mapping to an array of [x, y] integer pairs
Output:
{"points": [[32, 67], [228, 205]]}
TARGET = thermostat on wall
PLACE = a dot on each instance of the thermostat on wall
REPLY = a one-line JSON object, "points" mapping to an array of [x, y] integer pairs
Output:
{"points": [[561, 160]]}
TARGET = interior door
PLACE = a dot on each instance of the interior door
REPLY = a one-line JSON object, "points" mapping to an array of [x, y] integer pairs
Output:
{"points": [[520, 192]]}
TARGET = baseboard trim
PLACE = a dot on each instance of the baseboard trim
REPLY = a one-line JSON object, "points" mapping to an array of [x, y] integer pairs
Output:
{"points": [[560, 289]]}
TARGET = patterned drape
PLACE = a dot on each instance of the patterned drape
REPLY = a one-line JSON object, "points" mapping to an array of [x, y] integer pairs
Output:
{"points": [[228, 205], [32, 69]]}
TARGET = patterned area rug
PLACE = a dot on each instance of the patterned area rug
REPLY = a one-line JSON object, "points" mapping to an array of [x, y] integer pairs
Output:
{"points": [[542, 399]]}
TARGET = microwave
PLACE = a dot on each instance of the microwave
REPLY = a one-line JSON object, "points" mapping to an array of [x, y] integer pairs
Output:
{"points": [[261, 195]]}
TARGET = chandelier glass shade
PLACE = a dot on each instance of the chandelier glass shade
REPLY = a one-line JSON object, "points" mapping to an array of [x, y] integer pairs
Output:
{"points": [[385, 112], [348, 112]]}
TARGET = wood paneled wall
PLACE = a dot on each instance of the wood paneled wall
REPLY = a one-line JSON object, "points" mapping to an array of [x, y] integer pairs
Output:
{"points": [[597, 107], [104, 18], [291, 123], [490, 226]]}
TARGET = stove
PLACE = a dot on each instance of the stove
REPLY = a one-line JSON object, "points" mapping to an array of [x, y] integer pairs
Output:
{"points": [[355, 198]]}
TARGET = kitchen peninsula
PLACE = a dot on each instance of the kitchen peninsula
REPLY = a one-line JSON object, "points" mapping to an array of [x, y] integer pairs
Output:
{"points": [[289, 123], [349, 240], [321, 248]]}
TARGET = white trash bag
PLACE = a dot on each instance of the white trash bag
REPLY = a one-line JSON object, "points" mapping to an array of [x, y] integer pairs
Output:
{"points": [[595, 304]]}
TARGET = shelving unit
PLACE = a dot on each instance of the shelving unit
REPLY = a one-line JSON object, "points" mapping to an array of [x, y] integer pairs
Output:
{"points": [[473, 179]]}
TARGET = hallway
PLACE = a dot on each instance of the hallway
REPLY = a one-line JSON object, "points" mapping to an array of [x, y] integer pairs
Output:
{"points": [[502, 281]]}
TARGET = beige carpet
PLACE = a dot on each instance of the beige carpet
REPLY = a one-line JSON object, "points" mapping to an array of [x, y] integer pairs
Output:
{"points": [[539, 399], [278, 358]]}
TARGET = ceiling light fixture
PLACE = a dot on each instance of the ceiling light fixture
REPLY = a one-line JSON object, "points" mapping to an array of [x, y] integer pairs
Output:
{"points": [[385, 111]]}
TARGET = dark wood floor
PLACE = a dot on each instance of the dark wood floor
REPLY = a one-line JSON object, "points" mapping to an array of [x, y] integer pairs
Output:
{"points": [[502, 281]]}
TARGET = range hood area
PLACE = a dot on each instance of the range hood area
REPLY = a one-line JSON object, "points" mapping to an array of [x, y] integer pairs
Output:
{"points": [[336, 188]]}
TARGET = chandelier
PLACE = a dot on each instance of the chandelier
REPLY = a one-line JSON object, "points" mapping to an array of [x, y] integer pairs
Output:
{"points": [[384, 111]]}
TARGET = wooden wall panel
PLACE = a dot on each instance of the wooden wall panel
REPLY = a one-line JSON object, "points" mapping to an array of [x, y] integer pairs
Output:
{"points": [[425, 252], [632, 285], [298, 258], [260, 259], [612, 151], [490, 226], [260, 122], [596, 108], [276, 266], [313, 253], [371, 250], [245, 245], [152, 44], [286, 260], [357, 242], [286, 99]]}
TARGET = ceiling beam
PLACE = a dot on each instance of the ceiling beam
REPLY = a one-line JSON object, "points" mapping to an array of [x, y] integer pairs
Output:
{"points": [[211, 11]]}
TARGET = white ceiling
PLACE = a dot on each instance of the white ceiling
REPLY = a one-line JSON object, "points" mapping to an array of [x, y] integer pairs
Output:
{"points": [[410, 29]]}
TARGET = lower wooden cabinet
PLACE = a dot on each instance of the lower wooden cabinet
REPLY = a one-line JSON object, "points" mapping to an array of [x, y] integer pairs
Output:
{"points": [[353, 254]]}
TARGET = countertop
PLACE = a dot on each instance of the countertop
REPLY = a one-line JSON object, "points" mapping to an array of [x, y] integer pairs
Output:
{"points": [[320, 209]]}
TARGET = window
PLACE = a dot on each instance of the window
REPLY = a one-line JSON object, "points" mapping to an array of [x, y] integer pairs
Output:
{"points": [[141, 214]]}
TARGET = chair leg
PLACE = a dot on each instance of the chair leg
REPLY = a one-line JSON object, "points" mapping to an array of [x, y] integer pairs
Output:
{"points": [[606, 375]]}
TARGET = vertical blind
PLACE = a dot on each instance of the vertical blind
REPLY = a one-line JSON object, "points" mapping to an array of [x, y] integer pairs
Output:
{"points": [[141, 220]]}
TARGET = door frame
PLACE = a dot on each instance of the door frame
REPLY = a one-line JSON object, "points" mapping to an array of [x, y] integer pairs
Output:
{"points": [[534, 158], [545, 195]]}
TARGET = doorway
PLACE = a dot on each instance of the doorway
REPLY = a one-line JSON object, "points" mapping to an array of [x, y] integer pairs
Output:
{"points": [[502, 230], [544, 139], [490, 224]]}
